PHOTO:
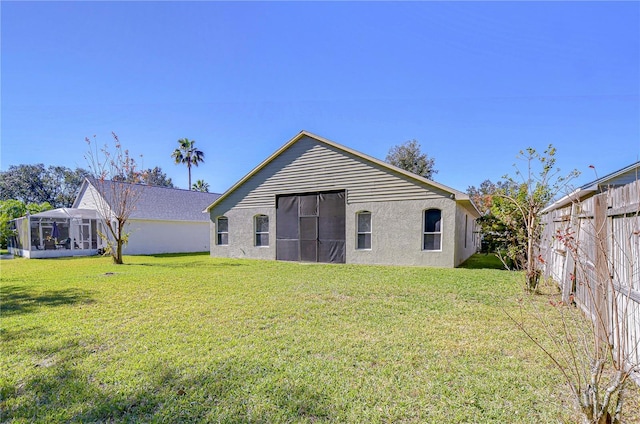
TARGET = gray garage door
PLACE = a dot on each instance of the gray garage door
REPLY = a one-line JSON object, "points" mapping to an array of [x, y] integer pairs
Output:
{"points": [[311, 227]]}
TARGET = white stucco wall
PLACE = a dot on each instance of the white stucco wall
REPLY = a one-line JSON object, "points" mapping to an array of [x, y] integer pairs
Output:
{"points": [[152, 237]]}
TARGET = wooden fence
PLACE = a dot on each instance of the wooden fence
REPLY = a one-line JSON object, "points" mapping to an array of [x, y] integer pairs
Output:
{"points": [[592, 249]]}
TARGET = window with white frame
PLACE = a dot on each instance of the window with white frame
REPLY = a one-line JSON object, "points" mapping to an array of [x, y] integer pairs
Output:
{"points": [[261, 225], [432, 230], [222, 229], [364, 230]]}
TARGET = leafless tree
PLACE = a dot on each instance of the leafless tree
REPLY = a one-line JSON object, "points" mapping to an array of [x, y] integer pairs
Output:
{"points": [[115, 200]]}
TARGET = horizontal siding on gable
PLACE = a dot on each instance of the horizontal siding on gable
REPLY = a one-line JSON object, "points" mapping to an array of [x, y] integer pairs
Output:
{"points": [[626, 178], [90, 199], [311, 166]]}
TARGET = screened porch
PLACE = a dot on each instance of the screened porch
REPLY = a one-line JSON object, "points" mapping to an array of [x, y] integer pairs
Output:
{"points": [[57, 233]]}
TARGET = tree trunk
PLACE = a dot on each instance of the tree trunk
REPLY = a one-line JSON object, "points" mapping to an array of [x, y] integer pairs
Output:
{"points": [[117, 259], [117, 255]]}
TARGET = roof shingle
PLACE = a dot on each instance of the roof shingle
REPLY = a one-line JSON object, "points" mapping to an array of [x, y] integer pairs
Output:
{"points": [[170, 204]]}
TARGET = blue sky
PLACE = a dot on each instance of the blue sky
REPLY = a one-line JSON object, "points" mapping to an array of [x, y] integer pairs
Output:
{"points": [[473, 82]]}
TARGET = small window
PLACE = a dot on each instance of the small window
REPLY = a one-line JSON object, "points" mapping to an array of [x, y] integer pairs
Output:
{"points": [[223, 231], [364, 230], [466, 224], [262, 230], [432, 235]]}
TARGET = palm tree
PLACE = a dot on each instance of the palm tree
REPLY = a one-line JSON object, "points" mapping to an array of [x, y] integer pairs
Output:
{"points": [[187, 153], [201, 185]]}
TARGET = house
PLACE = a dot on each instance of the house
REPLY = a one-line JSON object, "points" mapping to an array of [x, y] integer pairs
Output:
{"points": [[618, 178], [314, 200], [164, 220]]}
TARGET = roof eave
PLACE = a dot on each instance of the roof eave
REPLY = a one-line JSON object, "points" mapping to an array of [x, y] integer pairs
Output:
{"points": [[572, 197], [255, 170], [603, 180], [471, 206]]}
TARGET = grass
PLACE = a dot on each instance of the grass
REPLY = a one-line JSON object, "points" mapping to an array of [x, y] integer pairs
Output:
{"points": [[190, 338], [483, 261]]}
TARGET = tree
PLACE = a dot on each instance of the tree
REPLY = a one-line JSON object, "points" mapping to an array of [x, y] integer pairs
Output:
{"points": [[24, 183], [482, 196], [12, 209], [64, 184], [519, 203], [409, 157], [152, 177], [116, 200], [155, 177], [507, 228], [201, 185], [496, 236], [188, 154], [56, 185]]}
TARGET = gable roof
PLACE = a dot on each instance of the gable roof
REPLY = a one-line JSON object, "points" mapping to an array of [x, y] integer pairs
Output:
{"points": [[161, 203], [457, 195], [620, 177]]}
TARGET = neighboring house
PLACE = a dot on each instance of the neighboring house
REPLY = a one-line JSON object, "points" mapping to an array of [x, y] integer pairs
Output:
{"points": [[314, 200], [618, 178], [164, 220]]}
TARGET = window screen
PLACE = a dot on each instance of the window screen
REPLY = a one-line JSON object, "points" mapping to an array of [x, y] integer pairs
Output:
{"points": [[364, 230], [308, 205], [331, 227], [262, 230], [432, 235], [223, 231], [287, 231], [311, 227]]}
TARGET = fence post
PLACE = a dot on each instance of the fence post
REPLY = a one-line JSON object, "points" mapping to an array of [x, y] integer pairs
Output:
{"points": [[601, 292]]}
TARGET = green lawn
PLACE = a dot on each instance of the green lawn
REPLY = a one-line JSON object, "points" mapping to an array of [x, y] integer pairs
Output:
{"points": [[189, 338]]}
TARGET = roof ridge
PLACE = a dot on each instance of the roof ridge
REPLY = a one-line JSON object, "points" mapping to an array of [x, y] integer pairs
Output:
{"points": [[151, 186]]}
